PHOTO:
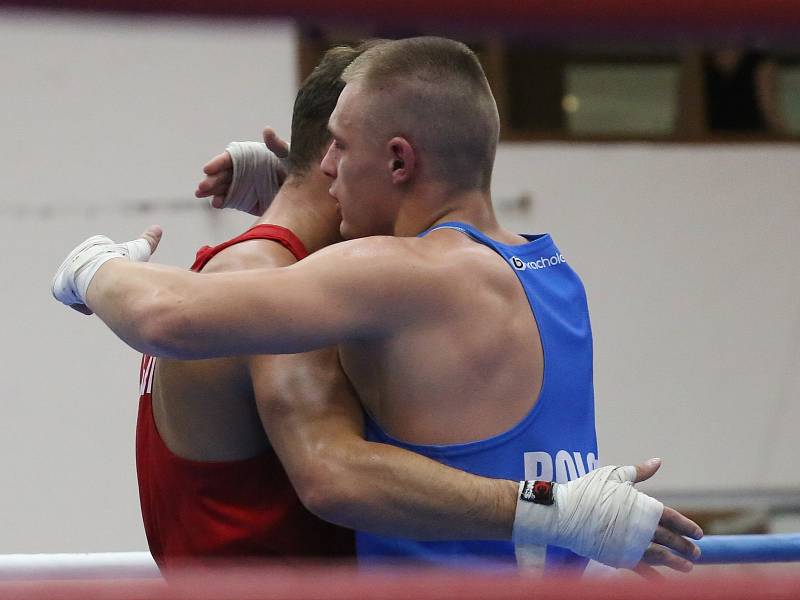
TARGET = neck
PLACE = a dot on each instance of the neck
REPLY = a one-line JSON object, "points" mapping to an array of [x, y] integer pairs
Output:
{"points": [[305, 207], [424, 208]]}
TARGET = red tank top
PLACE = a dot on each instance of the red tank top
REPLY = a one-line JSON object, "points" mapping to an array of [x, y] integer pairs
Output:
{"points": [[194, 510]]}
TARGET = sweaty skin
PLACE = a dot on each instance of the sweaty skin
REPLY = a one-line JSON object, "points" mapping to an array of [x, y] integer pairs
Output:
{"points": [[166, 311], [305, 404], [420, 321]]}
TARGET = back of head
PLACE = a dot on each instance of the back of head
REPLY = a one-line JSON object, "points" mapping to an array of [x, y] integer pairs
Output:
{"points": [[434, 92], [314, 104]]}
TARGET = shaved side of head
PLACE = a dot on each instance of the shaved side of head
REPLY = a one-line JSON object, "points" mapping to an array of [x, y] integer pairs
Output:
{"points": [[433, 92]]}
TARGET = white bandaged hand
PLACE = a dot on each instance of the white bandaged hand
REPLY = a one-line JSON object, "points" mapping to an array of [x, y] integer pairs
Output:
{"points": [[73, 277], [256, 177], [600, 516]]}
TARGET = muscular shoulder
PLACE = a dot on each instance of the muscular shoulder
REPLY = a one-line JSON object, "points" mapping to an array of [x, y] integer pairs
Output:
{"points": [[401, 253], [444, 255], [391, 261], [414, 272]]}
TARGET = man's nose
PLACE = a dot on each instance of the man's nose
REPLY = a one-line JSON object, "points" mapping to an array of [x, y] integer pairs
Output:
{"points": [[328, 164]]}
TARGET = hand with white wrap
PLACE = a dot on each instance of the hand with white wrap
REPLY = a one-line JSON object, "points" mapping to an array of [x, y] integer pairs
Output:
{"points": [[72, 279], [603, 517], [247, 176]]}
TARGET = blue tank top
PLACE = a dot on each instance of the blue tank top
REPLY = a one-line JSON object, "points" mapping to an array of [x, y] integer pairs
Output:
{"points": [[555, 441]]}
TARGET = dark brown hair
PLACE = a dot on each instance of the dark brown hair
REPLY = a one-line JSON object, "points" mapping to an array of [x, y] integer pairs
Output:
{"points": [[314, 104]]}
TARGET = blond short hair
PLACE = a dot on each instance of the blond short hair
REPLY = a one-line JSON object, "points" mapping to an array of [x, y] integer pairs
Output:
{"points": [[434, 91]]}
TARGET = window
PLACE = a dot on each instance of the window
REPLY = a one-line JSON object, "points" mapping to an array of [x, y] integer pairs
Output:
{"points": [[581, 93]]}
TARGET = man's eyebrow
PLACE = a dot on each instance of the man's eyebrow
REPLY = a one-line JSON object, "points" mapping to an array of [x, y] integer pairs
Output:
{"points": [[331, 128], [333, 135]]}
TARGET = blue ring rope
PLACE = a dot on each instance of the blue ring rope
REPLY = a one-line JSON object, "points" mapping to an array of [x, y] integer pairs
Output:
{"points": [[766, 548]]}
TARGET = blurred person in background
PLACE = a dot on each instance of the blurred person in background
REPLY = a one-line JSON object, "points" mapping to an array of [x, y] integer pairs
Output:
{"points": [[742, 92]]}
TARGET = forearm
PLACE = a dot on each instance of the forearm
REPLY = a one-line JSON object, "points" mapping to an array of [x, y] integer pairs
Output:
{"points": [[315, 425], [390, 491], [303, 307], [380, 488], [133, 299], [175, 313]]}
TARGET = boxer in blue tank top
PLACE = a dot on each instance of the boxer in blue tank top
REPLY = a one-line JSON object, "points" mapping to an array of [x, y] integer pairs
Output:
{"points": [[555, 441], [434, 333]]}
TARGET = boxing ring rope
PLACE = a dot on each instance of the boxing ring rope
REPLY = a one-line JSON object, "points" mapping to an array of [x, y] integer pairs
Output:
{"points": [[766, 548], [314, 581], [717, 550], [95, 565]]}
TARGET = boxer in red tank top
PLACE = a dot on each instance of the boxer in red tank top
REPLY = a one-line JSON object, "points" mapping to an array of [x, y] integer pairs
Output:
{"points": [[200, 509], [209, 431], [211, 485]]}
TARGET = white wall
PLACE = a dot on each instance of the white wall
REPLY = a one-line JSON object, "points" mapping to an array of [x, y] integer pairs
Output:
{"points": [[96, 116], [687, 253]]}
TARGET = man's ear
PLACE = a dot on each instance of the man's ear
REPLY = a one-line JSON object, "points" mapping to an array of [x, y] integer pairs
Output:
{"points": [[402, 160]]}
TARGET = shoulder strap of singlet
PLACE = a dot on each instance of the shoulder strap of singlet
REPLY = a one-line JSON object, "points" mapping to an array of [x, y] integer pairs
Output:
{"points": [[283, 236], [465, 228]]}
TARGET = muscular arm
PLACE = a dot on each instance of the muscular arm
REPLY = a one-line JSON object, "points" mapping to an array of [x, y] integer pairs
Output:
{"points": [[354, 290], [315, 426], [348, 291]]}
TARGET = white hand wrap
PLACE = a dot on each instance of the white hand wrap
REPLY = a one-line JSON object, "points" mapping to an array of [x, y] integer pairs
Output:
{"points": [[255, 177], [76, 272], [600, 516]]}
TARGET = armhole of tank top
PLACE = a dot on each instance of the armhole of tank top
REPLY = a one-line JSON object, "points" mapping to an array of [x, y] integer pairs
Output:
{"points": [[535, 409]]}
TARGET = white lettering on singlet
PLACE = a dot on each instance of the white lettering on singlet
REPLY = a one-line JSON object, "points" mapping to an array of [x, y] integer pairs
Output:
{"points": [[540, 263], [565, 467]]}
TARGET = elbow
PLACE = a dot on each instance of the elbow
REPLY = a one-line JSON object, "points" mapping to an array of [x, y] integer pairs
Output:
{"points": [[160, 328], [328, 488]]}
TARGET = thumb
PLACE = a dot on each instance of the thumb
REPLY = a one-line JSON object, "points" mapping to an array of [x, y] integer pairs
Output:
{"points": [[153, 236], [275, 144], [647, 469]]}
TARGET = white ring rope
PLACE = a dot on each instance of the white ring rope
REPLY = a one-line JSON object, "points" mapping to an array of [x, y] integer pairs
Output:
{"points": [[717, 549], [94, 565]]}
